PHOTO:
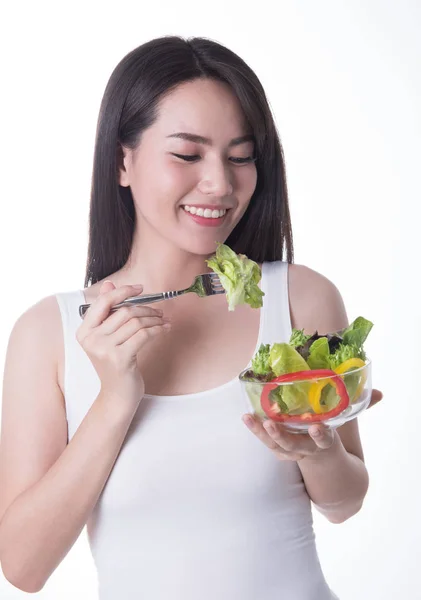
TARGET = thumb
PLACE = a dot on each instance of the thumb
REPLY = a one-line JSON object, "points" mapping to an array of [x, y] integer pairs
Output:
{"points": [[106, 286], [376, 396]]}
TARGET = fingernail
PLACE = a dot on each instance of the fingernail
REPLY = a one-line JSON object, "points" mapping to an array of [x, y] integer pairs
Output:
{"points": [[139, 286], [166, 319], [249, 421], [159, 312], [316, 433], [103, 284]]}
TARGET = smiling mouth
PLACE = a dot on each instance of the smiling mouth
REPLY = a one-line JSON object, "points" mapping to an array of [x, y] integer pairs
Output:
{"points": [[206, 216], [205, 212]]}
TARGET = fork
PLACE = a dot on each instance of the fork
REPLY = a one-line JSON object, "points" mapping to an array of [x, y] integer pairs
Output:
{"points": [[207, 284]]}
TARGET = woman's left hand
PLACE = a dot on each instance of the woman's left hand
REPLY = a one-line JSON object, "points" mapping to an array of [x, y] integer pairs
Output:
{"points": [[291, 446], [296, 446]]}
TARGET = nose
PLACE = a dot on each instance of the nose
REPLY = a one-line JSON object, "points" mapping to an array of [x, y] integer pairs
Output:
{"points": [[216, 181]]}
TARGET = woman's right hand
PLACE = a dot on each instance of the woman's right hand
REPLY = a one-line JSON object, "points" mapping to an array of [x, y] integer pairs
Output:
{"points": [[112, 340]]}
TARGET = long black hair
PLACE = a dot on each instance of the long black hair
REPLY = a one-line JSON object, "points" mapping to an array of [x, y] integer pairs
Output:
{"points": [[129, 106]]}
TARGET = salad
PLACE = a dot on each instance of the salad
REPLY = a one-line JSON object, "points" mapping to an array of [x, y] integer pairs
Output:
{"points": [[324, 373], [239, 277]]}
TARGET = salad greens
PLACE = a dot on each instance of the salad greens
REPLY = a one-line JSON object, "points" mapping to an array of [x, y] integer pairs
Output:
{"points": [[261, 364], [304, 352], [239, 277]]}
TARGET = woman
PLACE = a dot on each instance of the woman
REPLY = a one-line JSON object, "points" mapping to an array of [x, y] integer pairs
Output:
{"points": [[130, 421]]}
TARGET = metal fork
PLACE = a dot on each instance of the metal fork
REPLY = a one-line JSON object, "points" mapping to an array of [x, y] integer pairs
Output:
{"points": [[207, 284]]}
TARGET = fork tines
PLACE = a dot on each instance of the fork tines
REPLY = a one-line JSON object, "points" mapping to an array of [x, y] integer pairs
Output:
{"points": [[212, 283]]}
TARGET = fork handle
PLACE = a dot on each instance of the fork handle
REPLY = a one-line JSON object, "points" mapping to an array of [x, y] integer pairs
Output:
{"points": [[144, 299]]}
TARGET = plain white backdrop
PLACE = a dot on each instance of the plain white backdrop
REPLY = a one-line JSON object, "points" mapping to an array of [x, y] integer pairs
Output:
{"points": [[343, 80]]}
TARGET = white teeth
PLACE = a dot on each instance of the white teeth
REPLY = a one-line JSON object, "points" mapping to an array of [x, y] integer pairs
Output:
{"points": [[207, 212]]}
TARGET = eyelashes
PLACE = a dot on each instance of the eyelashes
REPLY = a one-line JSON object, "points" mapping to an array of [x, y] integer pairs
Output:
{"points": [[233, 159], [187, 157]]}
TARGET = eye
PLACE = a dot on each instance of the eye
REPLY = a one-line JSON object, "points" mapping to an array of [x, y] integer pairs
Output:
{"points": [[187, 157], [233, 159], [243, 161]]}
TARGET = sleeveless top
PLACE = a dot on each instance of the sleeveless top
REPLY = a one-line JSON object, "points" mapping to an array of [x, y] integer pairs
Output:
{"points": [[196, 507]]}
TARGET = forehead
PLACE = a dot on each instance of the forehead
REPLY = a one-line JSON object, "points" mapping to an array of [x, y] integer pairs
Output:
{"points": [[205, 107]]}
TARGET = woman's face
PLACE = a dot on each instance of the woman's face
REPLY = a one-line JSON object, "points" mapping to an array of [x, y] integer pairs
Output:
{"points": [[193, 174]]}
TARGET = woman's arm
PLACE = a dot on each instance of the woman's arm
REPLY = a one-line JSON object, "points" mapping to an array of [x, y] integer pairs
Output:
{"points": [[336, 478], [48, 488]]}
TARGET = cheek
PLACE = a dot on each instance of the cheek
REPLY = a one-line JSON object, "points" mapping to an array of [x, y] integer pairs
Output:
{"points": [[161, 184], [176, 180], [246, 182]]}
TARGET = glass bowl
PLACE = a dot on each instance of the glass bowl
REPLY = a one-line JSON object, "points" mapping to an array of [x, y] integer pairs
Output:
{"points": [[332, 399]]}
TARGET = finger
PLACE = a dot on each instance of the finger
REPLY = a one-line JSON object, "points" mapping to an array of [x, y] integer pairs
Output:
{"points": [[124, 314], [141, 337], [376, 396], [291, 442], [128, 329], [256, 426], [107, 286], [101, 306], [322, 436]]}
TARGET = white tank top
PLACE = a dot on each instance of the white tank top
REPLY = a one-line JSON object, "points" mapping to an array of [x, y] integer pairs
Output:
{"points": [[196, 507]]}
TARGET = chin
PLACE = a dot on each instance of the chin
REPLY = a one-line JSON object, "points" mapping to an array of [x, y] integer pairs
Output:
{"points": [[199, 245]]}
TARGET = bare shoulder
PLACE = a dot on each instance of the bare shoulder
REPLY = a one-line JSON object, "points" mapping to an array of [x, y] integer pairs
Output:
{"points": [[38, 334], [43, 317], [315, 301], [46, 310]]}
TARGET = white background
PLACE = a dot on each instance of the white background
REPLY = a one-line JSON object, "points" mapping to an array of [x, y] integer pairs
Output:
{"points": [[343, 79]]}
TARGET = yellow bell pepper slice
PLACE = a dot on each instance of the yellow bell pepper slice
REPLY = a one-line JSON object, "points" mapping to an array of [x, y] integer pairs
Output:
{"points": [[349, 364], [315, 391]]}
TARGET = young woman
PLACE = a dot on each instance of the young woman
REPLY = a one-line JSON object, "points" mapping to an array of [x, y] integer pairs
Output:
{"points": [[132, 421]]}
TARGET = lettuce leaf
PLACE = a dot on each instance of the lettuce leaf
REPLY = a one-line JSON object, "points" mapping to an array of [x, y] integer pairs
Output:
{"points": [[254, 393], [329, 396], [357, 332], [283, 358], [290, 398], [319, 354], [260, 363], [298, 338], [345, 352], [239, 277]]}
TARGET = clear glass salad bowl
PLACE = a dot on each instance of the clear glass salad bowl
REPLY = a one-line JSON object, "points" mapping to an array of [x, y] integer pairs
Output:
{"points": [[298, 400]]}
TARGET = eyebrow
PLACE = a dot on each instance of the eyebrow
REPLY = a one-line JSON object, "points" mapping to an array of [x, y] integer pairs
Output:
{"points": [[199, 139]]}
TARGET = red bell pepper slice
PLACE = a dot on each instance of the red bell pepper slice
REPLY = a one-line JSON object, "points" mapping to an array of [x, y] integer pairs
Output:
{"points": [[303, 376]]}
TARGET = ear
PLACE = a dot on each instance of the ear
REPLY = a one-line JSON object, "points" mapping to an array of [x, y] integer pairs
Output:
{"points": [[123, 157]]}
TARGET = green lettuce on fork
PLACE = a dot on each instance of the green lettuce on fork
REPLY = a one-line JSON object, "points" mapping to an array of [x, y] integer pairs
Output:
{"points": [[239, 277], [308, 352]]}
